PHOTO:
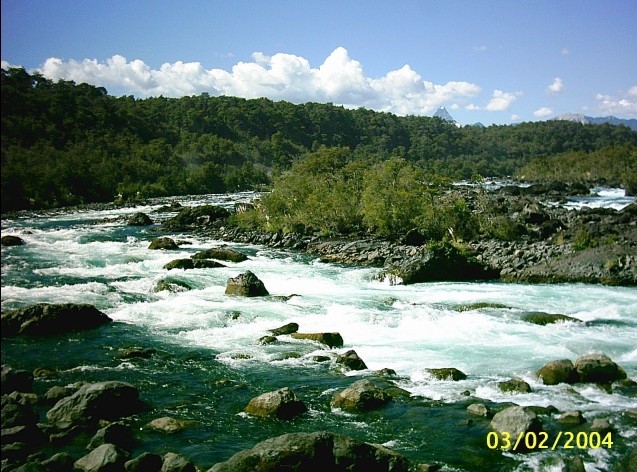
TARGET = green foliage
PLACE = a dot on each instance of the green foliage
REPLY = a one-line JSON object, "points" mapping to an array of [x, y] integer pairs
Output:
{"points": [[66, 143]]}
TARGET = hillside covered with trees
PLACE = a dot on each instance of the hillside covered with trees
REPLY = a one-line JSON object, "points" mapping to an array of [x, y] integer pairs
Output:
{"points": [[65, 143]]}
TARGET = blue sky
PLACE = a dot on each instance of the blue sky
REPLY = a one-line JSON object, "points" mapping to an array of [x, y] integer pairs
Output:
{"points": [[488, 61]]}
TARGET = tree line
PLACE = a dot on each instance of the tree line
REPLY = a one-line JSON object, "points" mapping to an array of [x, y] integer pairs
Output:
{"points": [[65, 143]]}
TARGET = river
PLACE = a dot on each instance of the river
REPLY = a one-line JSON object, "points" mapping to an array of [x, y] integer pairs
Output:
{"points": [[209, 364]]}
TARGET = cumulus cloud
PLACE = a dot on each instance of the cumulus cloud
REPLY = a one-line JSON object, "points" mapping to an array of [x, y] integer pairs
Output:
{"points": [[620, 106], [542, 112], [557, 86], [339, 79], [501, 101]]}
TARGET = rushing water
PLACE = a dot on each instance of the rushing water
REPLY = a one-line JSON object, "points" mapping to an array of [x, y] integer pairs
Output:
{"points": [[208, 363]]}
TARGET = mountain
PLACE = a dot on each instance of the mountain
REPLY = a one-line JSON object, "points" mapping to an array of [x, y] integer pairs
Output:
{"points": [[579, 118], [442, 113]]}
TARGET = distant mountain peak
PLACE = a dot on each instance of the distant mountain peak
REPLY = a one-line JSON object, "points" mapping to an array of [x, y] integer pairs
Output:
{"points": [[443, 114], [586, 120]]}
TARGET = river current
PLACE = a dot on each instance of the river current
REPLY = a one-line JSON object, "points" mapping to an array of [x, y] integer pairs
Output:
{"points": [[208, 363]]}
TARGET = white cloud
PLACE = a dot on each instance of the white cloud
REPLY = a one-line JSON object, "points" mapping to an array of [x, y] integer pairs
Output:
{"points": [[339, 79], [480, 48], [501, 101], [565, 52], [621, 106], [515, 117], [542, 112], [557, 86]]}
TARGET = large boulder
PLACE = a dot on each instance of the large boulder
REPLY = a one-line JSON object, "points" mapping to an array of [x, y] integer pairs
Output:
{"points": [[50, 319], [514, 386], [177, 463], [145, 462], [598, 368], [362, 395], [556, 372], [442, 263], [118, 434], [247, 285], [329, 339], [514, 421], [321, 451], [15, 380], [139, 219], [222, 254], [109, 400], [190, 217], [167, 424], [105, 458], [282, 403], [10, 240]]}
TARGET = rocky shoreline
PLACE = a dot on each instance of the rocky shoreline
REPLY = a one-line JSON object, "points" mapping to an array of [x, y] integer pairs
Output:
{"points": [[556, 245]]}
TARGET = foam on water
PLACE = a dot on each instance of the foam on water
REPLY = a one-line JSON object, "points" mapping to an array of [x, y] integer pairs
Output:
{"points": [[406, 328]]}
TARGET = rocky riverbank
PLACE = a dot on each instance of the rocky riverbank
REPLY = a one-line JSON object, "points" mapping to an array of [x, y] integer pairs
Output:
{"points": [[544, 243]]}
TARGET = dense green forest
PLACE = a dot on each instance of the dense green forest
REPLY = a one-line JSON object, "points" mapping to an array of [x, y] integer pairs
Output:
{"points": [[65, 143]]}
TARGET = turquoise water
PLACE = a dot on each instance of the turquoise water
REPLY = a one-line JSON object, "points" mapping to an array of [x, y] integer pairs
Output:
{"points": [[208, 364]]}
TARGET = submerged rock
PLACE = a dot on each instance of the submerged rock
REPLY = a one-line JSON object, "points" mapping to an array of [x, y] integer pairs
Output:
{"points": [[167, 424], [282, 403], [247, 285], [542, 319], [514, 386], [46, 319], [320, 451], [12, 241]]}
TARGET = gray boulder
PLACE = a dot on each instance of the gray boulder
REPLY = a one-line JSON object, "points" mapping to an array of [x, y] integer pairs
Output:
{"points": [[282, 403], [247, 285], [109, 400], [46, 319], [177, 463], [191, 217], [556, 372], [329, 339], [115, 433], [105, 458], [514, 421], [598, 368], [361, 396], [140, 219], [145, 462], [320, 451]]}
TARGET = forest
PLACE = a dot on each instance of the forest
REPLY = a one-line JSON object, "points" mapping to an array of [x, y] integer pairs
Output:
{"points": [[65, 143]]}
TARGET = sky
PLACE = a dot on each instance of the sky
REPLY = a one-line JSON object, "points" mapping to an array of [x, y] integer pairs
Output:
{"points": [[493, 61]]}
